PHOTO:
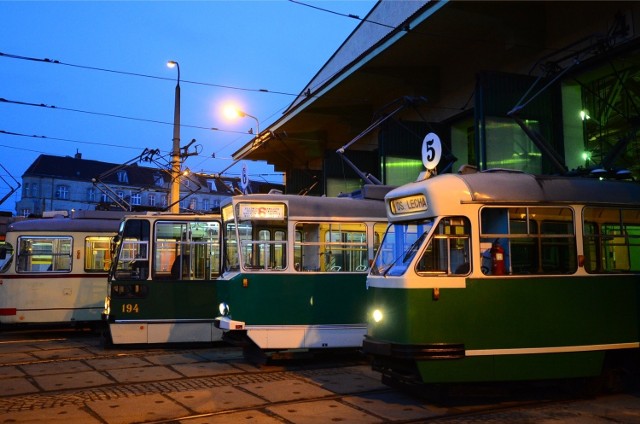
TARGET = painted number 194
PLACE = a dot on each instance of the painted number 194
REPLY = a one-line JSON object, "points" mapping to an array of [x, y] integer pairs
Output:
{"points": [[130, 308]]}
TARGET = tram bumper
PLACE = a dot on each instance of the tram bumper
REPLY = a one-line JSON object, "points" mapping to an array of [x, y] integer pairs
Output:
{"points": [[226, 323], [415, 352], [398, 362]]}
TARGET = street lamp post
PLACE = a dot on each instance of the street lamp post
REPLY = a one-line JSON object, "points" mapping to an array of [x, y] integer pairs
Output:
{"points": [[175, 153], [243, 114], [233, 112]]}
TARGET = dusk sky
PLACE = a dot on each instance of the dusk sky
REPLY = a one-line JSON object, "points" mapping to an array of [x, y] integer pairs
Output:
{"points": [[111, 95]]}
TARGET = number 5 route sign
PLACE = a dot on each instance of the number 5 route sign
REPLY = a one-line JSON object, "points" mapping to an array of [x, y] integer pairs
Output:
{"points": [[244, 178], [431, 151]]}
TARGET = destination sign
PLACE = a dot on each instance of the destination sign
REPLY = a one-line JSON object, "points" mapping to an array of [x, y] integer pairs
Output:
{"points": [[261, 211], [409, 204]]}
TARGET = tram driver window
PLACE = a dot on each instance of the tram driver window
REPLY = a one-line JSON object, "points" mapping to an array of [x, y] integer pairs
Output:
{"points": [[132, 261], [448, 251]]}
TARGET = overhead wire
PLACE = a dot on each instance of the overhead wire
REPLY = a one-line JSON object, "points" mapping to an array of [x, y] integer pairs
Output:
{"points": [[44, 137], [95, 68], [17, 102], [346, 15]]}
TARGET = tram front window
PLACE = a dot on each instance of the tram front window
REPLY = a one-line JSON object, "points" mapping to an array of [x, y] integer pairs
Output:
{"points": [[132, 261], [6, 256], [400, 244]]}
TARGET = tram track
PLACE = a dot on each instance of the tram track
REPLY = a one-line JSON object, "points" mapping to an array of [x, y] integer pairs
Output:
{"points": [[196, 384]]}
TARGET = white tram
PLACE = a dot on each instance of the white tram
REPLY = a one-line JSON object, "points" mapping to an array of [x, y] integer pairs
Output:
{"points": [[54, 270]]}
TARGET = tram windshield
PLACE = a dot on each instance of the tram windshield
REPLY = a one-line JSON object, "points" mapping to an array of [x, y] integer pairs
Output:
{"points": [[6, 255], [257, 238], [399, 246]]}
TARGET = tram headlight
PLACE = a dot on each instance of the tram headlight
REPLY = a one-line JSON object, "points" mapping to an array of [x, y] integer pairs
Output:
{"points": [[377, 315], [223, 308]]}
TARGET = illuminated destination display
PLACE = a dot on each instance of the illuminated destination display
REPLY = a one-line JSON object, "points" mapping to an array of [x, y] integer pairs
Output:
{"points": [[260, 211], [410, 204]]}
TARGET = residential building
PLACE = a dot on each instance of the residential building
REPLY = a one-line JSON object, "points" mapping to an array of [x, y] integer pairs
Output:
{"points": [[65, 183]]}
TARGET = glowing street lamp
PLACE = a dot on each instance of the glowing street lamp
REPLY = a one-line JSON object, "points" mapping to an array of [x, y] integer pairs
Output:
{"points": [[175, 153], [232, 112]]}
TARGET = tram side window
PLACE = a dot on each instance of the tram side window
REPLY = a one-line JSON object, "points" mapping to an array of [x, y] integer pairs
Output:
{"points": [[44, 254], [187, 250], [448, 251], [307, 247], [611, 240], [97, 254], [331, 247], [524, 240]]}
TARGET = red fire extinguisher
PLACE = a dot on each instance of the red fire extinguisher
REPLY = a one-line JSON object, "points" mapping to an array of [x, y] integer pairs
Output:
{"points": [[497, 259]]}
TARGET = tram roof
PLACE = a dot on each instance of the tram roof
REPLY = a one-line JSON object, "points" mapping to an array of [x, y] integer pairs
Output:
{"points": [[517, 187], [81, 221], [315, 206]]}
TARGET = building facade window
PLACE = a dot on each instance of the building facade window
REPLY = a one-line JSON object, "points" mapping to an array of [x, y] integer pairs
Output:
{"points": [[123, 177], [91, 194], [62, 192], [158, 180], [151, 199], [136, 199], [193, 203], [104, 198], [120, 194], [205, 204], [25, 190], [35, 192]]}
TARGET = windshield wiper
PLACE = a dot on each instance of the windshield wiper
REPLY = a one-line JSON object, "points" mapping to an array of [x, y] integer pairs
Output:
{"points": [[407, 253]]}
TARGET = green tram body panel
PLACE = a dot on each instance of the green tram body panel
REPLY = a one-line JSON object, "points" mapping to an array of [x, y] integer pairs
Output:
{"points": [[512, 313], [165, 299], [512, 367], [295, 299]]}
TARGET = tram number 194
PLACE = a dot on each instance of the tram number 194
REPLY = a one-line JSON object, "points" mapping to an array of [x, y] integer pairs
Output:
{"points": [[130, 308]]}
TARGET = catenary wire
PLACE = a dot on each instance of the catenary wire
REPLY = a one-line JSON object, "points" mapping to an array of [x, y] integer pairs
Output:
{"points": [[17, 102]]}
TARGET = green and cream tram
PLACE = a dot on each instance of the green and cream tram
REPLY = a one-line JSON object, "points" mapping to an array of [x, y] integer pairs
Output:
{"points": [[295, 269], [162, 282], [498, 276]]}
